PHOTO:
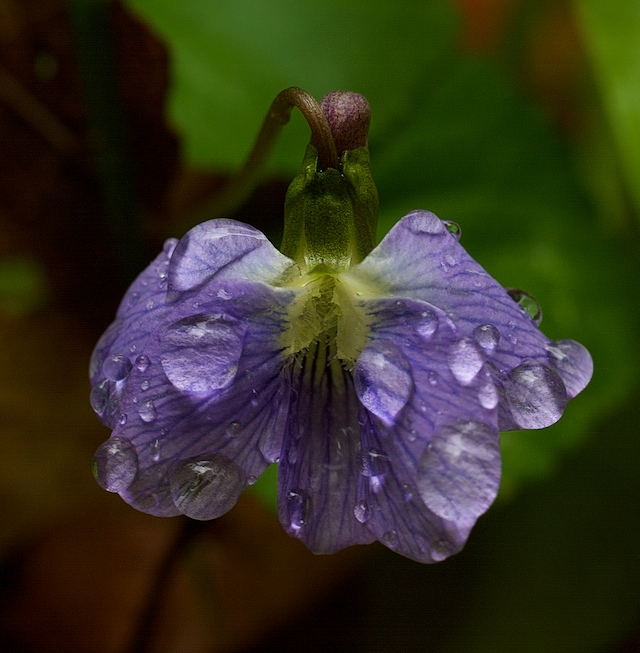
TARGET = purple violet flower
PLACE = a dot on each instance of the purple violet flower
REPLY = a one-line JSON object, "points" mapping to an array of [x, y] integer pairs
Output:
{"points": [[380, 391], [379, 387]]}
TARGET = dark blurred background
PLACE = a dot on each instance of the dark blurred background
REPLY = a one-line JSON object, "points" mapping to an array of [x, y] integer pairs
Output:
{"points": [[119, 124]]}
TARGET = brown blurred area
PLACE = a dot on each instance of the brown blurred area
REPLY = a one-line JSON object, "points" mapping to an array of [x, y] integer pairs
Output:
{"points": [[80, 570]]}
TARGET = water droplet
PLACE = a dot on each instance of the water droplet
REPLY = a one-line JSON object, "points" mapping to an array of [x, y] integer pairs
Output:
{"points": [[251, 480], [142, 363], [427, 324], [201, 353], [224, 294], [155, 450], [399, 307], [362, 511], [374, 463], [254, 398], [169, 246], [459, 471], [133, 299], [123, 419], [488, 395], [423, 222], [537, 396], [147, 411], [465, 361], [441, 549], [528, 303], [573, 363], [390, 539], [450, 260], [487, 336], [432, 378], [145, 385], [206, 488], [407, 492], [116, 367], [383, 381], [99, 397], [298, 508], [233, 429], [115, 464], [150, 304], [453, 228]]}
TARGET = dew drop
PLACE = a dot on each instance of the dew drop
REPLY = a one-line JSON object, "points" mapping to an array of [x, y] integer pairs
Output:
{"points": [[528, 303], [573, 363], [399, 307], [488, 395], [537, 396], [201, 353], [459, 471], [254, 398], [423, 222], [142, 363], [133, 299], [115, 464], [487, 336], [407, 492], [116, 367], [206, 488], [147, 411], [233, 429], [155, 450], [150, 304], [123, 419], [145, 385], [362, 512], [374, 463], [465, 361], [453, 228], [99, 397], [383, 381], [441, 549], [298, 509], [251, 480], [390, 539], [427, 324], [169, 246], [450, 260]]}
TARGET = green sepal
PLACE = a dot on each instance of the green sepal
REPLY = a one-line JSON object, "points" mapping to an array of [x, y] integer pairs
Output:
{"points": [[331, 215]]}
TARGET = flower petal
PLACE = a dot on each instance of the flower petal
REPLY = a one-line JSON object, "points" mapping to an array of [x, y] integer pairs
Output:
{"points": [[433, 469], [419, 258], [319, 465], [203, 430], [226, 249]]}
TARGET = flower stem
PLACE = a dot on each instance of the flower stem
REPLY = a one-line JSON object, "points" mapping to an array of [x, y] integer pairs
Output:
{"points": [[245, 180]]}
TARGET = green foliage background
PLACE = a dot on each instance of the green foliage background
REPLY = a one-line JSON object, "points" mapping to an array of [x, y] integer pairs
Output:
{"points": [[555, 567]]}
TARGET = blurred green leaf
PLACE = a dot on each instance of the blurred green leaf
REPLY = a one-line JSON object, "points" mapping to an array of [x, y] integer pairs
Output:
{"points": [[230, 58], [612, 35], [24, 287], [449, 133]]}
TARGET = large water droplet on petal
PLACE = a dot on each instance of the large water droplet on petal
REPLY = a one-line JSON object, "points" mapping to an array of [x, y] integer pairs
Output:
{"points": [[465, 361], [383, 381], [528, 303], [441, 549], [390, 539], [487, 336], [459, 471], [200, 354], [99, 397], [206, 488], [424, 222], [116, 367], [573, 362], [115, 464], [537, 396], [298, 509]]}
